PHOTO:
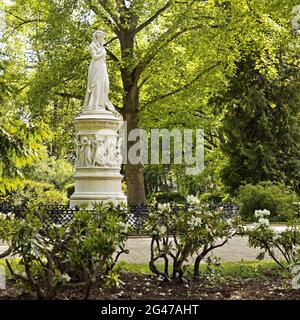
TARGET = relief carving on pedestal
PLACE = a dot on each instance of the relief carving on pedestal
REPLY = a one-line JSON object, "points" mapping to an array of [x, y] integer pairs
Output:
{"points": [[98, 151]]}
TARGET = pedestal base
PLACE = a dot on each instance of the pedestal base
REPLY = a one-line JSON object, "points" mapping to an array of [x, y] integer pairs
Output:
{"points": [[97, 136]]}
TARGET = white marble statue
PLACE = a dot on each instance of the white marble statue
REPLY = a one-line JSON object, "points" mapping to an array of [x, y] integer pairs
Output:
{"points": [[96, 98]]}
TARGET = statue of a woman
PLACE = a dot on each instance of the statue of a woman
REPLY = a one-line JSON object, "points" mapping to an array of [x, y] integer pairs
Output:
{"points": [[85, 156], [96, 97]]}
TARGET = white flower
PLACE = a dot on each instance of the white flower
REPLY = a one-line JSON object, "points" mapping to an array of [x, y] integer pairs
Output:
{"points": [[261, 213], [58, 226], [66, 277], [165, 207], [123, 206], [192, 200], [264, 222], [162, 230], [124, 226]]}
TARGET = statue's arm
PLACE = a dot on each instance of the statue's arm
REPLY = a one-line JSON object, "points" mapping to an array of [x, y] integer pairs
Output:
{"points": [[96, 55]]}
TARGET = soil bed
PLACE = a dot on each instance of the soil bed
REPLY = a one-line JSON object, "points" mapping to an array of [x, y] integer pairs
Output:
{"points": [[137, 286]]}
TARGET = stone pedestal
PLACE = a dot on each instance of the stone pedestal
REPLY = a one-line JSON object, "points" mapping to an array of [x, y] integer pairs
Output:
{"points": [[98, 159]]}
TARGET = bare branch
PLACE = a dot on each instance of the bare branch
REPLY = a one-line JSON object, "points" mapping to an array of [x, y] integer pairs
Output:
{"points": [[155, 16]]}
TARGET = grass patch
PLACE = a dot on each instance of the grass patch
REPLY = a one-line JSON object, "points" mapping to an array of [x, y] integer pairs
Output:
{"points": [[14, 262], [227, 270], [249, 269]]}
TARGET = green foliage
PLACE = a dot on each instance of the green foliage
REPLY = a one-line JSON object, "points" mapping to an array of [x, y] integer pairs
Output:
{"points": [[20, 142], [165, 197], [227, 270], [184, 63], [279, 245], [216, 196], [58, 172], [78, 254], [277, 198], [261, 124], [180, 233], [32, 192]]}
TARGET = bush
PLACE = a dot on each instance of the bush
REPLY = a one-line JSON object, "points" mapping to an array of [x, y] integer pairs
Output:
{"points": [[181, 232], [215, 197], [28, 191], [281, 246], [277, 198], [166, 197], [78, 254], [58, 172]]}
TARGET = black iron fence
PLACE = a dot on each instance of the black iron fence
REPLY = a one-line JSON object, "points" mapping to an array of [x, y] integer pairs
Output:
{"points": [[137, 215]]}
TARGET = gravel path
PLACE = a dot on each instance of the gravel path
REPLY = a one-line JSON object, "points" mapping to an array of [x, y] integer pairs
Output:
{"points": [[236, 249]]}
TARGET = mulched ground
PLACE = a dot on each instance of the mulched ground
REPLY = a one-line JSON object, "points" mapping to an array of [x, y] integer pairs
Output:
{"points": [[147, 287]]}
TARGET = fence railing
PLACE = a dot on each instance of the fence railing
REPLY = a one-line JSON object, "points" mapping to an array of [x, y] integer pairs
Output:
{"points": [[137, 215]]}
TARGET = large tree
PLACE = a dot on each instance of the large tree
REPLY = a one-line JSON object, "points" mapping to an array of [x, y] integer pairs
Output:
{"points": [[262, 125], [157, 49]]}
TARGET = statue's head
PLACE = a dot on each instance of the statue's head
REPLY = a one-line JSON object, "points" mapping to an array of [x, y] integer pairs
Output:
{"points": [[99, 36], [99, 140]]}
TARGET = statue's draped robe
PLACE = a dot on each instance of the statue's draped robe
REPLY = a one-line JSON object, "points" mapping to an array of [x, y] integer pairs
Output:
{"points": [[98, 83]]}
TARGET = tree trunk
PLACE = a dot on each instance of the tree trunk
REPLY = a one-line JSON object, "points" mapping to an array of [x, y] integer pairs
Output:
{"points": [[134, 173]]}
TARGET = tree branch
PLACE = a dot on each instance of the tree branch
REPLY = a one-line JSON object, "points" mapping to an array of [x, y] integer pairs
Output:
{"points": [[14, 15], [68, 95], [155, 16], [164, 41], [22, 24], [107, 19], [184, 87], [6, 253], [104, 4], [113, 56], [17, 275]]}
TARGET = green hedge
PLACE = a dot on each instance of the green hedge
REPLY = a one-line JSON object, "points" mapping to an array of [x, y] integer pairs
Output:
{"points": [[275, 197]]}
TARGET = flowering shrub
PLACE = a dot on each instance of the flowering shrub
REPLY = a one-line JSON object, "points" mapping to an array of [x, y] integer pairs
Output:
{"points": [[58, 257], [182, 232], [281, 246]]}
